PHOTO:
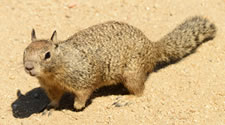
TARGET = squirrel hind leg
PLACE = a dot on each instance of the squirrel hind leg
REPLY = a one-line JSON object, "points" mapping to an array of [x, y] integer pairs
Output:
{"points": [[134, 82], [81, 97]]}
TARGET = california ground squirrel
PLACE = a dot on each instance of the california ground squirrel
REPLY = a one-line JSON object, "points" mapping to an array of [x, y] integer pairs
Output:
{"points": [[105, 54]]}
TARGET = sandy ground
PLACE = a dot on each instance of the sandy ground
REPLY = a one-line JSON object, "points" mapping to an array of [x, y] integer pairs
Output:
{"points": [[189, 92]]}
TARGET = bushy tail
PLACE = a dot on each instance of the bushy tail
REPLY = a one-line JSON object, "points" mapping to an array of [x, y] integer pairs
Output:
{"points": [[185, 38]]}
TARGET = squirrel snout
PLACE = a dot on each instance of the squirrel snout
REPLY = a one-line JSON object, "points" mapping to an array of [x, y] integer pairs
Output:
{"points": [[30, 69], [28, 66]]}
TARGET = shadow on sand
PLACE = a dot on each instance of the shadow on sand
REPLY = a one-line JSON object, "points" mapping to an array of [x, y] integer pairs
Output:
{"points": [[35, 101]]}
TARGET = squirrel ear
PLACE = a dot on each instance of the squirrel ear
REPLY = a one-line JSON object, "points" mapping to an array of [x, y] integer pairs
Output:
{"points": [[54, 36], [33, 35]]}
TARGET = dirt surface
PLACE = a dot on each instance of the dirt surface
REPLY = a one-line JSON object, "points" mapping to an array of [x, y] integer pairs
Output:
{"points": [[191, 91]]}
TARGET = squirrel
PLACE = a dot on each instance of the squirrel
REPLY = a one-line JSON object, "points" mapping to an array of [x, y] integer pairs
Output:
{"points": [[105, 54]]}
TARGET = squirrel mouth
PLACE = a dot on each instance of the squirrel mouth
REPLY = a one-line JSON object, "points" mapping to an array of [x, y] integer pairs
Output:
{"points": [[31, 72]]}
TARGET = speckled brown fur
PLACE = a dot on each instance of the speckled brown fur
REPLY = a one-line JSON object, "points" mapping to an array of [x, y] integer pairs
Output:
{"points": [[106, 54]]}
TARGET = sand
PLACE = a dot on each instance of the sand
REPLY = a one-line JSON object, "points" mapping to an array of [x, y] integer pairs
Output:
{"points": [[189, 92]]}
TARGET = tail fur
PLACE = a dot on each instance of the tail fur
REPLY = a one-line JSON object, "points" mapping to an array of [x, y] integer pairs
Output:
{"points": [[185, 38]]}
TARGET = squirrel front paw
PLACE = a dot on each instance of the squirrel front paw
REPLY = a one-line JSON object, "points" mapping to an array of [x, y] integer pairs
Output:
{"points": [[53, 104]]}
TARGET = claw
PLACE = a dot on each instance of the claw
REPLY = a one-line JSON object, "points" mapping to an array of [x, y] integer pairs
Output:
{"points": [[48, 112]]}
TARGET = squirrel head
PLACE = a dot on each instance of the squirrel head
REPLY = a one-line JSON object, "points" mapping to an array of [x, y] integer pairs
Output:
{"points": [[39, 54]]}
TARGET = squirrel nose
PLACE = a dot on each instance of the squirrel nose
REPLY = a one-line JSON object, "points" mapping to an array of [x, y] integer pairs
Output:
{"points": [[29, 66]]}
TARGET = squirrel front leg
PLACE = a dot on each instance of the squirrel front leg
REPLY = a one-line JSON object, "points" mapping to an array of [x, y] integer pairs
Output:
{"points": [[54, 94]]}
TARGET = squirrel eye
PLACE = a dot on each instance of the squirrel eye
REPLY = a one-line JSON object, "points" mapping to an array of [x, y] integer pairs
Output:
{"points": [[47, 55]]}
